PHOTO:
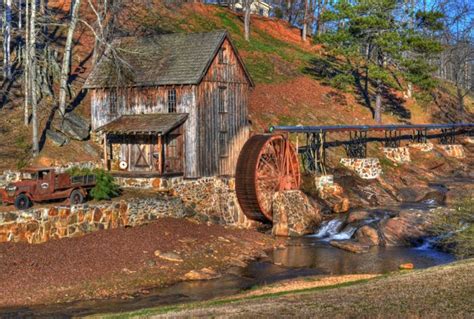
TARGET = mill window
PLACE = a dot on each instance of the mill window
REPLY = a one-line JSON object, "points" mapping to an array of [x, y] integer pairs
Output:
{"points": [[223, 144], [221, 58], [222, 100], [223, 123], [172, 101]]}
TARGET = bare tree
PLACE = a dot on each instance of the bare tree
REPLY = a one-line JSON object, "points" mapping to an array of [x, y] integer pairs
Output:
{"points": [[26, 67], [305, 20], [7, 39], [457, 60], [247, 5], [32, 58], [67, 57]]}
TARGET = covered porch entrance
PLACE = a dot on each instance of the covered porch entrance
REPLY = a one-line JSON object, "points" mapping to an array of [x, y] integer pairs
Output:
{"points": [[151, 144]]}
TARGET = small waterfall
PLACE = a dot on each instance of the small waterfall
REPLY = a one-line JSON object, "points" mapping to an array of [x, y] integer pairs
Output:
{"points": [[329, 228], [345, 234], [332, 230]]}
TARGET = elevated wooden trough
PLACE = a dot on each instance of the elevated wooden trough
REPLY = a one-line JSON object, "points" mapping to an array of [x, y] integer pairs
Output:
{"points": [[269, 163]]}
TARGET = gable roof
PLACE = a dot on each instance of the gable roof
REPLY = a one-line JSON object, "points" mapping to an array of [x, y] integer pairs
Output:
{"points": [[168, 59]]}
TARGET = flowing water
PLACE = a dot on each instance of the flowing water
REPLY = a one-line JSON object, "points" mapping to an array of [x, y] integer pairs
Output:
{"points": [[308, 256]]}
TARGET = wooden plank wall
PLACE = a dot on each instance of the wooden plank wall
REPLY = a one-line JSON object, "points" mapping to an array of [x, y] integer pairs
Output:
{"points": [[136, 100], [201, 140], [230, 75], [149, 100]]}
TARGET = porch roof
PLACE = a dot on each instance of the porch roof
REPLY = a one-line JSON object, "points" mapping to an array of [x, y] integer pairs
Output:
{"points": [[159, 124]]}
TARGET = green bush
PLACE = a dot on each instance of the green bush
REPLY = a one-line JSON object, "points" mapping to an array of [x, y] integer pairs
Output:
{"points": [[105, 187], [456, 228]]}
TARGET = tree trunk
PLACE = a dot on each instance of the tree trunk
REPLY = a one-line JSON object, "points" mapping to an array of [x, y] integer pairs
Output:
{"points": [[27, 64], [378, 103], [32, 57], [247, 19], [305, 21], [460, 96], [7, 39], [319, 23], [67, 58]]}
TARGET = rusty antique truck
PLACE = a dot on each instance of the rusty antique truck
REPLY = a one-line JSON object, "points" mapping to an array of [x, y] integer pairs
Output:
{"points": [[44, 184]]}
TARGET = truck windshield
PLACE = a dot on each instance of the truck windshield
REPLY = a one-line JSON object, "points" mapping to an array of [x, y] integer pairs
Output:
{"points": [[29, 176]]}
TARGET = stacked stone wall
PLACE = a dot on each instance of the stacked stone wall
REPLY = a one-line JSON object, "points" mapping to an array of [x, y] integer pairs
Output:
{"points": [[366, 168], [453, 150], [42, 224], [215, 199], [210, 200], [423, 147], [397, 154]]}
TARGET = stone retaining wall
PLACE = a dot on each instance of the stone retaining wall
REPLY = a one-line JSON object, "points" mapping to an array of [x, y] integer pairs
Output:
{"points": [[397, 154], [158, 183], [208, 200], [42, 224], [454, 150], [366, 168], [214, 198], [423, 147]]}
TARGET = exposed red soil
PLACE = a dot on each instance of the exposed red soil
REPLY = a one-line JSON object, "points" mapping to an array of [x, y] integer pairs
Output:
{"points": [[304, 101], [113, 262]]}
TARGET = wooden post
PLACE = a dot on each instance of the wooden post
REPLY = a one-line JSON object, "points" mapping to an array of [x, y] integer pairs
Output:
{"points": [[160, 154], [106, 164]]}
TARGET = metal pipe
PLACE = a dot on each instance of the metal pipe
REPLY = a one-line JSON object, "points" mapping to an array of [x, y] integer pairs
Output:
{"points": [[349, 128]]}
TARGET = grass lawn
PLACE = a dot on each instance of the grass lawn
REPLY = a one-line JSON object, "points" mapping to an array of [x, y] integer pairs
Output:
{"points": [[439, 292]]}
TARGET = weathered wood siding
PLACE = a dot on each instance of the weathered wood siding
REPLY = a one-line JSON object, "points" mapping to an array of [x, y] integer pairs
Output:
{"points": [[203, 151], [231, 76], [110, 104]]}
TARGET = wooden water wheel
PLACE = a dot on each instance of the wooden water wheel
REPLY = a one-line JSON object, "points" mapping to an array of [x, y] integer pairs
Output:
{"points": [[267, 164]]}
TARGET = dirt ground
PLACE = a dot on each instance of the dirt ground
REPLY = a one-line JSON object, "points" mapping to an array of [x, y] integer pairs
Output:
{"points": [[114, 263], [440, 292]]}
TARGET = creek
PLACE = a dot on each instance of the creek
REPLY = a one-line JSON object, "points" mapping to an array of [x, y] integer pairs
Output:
{"points": [[308, 256]]}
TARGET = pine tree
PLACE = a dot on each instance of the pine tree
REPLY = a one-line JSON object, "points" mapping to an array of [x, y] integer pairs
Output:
{"points": [[376, 33]]}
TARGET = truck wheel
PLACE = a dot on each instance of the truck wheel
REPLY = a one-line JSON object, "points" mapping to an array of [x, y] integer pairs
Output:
{"points": [[22, 202], [76, 197]]}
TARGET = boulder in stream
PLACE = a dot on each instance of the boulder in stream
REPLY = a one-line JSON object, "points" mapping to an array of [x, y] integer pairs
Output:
{"points": [[349, 245], [335, 198], [294, 214], [367, 235], [407, 227]]}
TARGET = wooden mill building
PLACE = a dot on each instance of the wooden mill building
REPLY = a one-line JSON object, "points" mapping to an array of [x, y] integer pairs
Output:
{"points": [[171, 104]]}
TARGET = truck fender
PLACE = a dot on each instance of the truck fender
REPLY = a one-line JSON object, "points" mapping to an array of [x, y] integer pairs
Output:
{"points": [[27, 195], [81, 189]]}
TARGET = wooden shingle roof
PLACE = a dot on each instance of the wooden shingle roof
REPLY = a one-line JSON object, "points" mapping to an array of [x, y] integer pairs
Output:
{"points": [[168, 59], [161, 123]]}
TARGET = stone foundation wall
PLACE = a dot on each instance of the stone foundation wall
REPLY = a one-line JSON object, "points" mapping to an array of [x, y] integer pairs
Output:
{"points": [[322, 181], [397, 154], [423, 147], [14, 176], [454, 150], [159, 183], [42, 224], [210, 200], [366, 168], [215, 199]]}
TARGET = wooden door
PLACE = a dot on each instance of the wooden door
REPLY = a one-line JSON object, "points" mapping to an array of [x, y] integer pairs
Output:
{"points": [[141, 154], [174, 153]]}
